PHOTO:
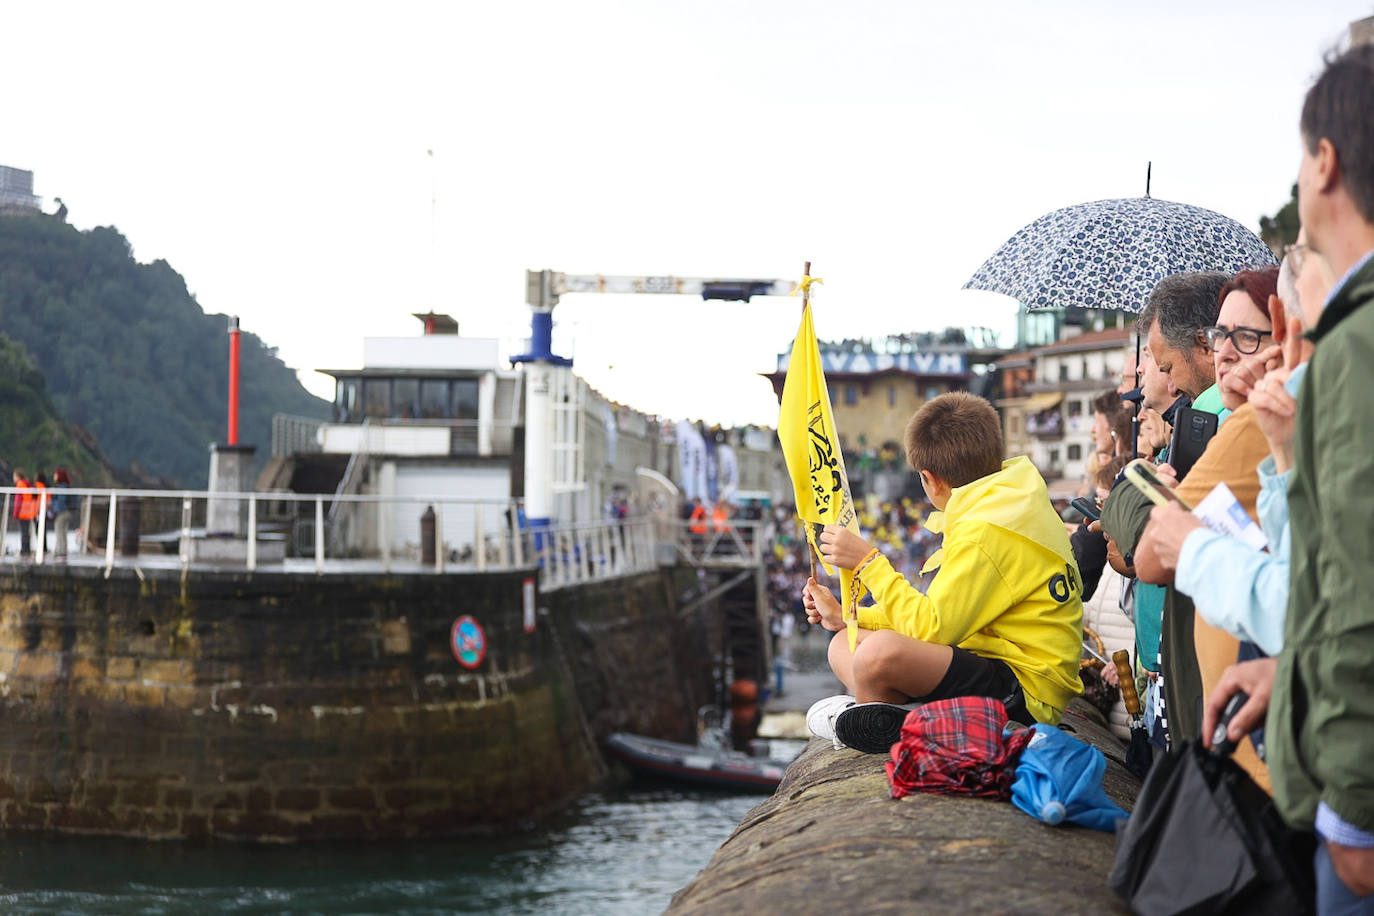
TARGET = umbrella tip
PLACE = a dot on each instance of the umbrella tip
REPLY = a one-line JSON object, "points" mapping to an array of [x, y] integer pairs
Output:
{"points": [[1148, 165]]}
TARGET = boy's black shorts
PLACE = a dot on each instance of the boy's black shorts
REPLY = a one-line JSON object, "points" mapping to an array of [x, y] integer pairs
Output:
{"points": [[972, 675]]}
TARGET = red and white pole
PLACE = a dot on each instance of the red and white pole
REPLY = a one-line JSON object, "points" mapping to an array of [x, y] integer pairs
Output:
{"points": [[233, 380]]}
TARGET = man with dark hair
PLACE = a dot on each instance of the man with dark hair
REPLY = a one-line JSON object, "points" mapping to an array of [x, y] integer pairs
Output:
{"points": [[1321, 726], [1004, 616], [1180, 306]]}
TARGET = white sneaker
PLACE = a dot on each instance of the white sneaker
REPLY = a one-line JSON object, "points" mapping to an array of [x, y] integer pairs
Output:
{"points": [[820, 718]]}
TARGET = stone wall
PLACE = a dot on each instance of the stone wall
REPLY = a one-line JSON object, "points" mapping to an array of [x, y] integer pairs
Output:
{"points": [[290, 706], [832, 839]]}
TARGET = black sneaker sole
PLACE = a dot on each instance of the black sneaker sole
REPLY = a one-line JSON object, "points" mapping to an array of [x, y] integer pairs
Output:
{"points": [[871, 727]]}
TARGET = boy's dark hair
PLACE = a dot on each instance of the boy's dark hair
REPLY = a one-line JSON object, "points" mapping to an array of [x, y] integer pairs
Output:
{"points": [[1337, 107], [957, 437]]}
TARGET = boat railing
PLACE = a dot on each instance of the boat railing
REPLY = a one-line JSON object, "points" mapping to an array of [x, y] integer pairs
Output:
{"points": [[289, 532]]}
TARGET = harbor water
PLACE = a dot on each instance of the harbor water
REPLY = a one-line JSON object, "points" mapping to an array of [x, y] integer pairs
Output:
{"points": [[619, 851]]}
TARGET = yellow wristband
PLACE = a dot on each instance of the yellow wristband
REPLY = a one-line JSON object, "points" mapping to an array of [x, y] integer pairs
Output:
{"points": [[868, 558]]}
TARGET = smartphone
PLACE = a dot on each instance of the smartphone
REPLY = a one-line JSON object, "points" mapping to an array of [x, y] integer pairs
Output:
{"points": [[1193, 429], [1086, 508], [1142, 475]]}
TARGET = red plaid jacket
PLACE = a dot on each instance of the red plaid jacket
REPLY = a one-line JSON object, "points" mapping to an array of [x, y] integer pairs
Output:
{"points": [[956, 747]]}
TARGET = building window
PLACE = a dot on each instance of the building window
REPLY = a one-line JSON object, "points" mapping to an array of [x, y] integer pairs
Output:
{"points": [[1075, 452], [434, 398], [891, 395], [405, 398], [1054, 457], [1075, 408], [464, 399], [1063, 372], [932, 392], [377, 398], [851, 395], [346, 407]]}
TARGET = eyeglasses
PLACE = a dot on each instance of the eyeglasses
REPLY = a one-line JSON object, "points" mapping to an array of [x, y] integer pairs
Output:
{"points": [[1245, 340], [1297, 251]]}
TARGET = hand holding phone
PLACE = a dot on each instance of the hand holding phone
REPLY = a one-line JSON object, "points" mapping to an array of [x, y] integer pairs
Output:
{"points": [[1144, 478], [1086, 508]]}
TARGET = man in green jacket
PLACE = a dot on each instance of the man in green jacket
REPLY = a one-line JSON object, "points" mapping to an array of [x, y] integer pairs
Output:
{"points": [[1320, 729]]}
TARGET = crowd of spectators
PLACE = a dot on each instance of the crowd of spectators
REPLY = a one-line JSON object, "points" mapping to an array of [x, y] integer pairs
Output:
{"points": [[1282, 356]]}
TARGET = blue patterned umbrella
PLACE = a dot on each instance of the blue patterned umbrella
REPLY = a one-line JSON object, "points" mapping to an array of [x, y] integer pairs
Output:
{"points": [[1109, 254]]}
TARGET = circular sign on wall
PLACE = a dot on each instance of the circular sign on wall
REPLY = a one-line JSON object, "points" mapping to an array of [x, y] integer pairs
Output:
{"points": [[469, 642]]}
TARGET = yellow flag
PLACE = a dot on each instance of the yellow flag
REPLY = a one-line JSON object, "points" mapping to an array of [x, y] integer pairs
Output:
{"points": [[811, 447]]}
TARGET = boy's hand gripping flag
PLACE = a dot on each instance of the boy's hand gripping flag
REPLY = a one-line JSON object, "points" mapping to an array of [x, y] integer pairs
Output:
{"points": [[811, 448]]}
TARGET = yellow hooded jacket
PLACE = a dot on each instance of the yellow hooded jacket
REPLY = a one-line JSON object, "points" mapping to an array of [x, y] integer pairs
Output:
{"points": [[1008, 587]]}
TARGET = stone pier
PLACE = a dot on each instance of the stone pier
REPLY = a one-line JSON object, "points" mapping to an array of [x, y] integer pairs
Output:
{"points": [[832, 840], [290, 706]]}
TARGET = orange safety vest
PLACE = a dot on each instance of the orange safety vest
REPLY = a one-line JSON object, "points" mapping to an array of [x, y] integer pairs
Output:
{"points": [[720, 519], [38, 502], [25, 506], [699, 520]]}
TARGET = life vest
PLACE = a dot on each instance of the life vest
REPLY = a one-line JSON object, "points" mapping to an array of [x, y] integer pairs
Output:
{"points": [[39, 504], [699, 520], [26, 505], [720, 518]]}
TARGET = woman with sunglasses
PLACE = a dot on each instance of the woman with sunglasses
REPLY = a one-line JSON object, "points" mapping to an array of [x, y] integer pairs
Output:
{"points": [[1242, 327]]}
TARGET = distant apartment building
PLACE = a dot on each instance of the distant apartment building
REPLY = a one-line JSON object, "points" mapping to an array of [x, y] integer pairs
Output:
{"points": [[1016, 371], [1051, 409], [876, 385], [16, 191]]}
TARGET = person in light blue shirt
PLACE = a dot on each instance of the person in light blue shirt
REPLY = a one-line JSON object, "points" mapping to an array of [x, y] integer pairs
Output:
{"points": [[1250, 599]]}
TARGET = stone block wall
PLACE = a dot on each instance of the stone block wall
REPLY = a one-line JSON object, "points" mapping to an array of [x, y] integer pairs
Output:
{"points": [[281, 707]]}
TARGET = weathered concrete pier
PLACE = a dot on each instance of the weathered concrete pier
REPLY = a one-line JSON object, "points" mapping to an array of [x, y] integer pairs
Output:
{"points": [[831, 839], [290, 706]]}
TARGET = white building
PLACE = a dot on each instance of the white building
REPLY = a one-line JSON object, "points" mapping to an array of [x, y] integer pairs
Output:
{"points": [[1068, 375]]}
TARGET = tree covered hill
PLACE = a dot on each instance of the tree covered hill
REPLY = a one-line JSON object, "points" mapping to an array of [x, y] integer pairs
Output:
{"points": [[33, 435], [129, 354]]}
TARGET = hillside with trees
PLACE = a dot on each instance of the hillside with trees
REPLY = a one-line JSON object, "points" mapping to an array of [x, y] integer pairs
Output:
{"points": [[33, 435], [128, 353]]}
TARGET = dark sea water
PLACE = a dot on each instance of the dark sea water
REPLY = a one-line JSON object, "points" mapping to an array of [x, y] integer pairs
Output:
{"points": [[619, 851]]}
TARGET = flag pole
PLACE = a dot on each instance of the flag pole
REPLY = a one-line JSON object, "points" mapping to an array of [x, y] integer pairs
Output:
{"points": [[806, 300]]}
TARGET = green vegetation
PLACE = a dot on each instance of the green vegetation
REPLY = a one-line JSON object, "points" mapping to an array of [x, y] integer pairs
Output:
{"points": [[129, 355], [1282, 228], [34, 435]]}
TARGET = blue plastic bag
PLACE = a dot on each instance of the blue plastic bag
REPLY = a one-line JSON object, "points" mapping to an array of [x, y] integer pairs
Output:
{"points": [[1059, 778]]}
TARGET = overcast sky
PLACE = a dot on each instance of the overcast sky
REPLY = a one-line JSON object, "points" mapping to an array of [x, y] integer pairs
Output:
{"points": [[276, 155]]}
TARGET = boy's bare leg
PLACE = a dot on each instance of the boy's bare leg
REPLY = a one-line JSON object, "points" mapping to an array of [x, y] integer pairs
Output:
{"points": [[887, 667]]}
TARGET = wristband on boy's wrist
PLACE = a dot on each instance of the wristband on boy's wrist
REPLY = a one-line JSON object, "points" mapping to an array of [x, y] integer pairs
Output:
{"points": [[868, 558]]}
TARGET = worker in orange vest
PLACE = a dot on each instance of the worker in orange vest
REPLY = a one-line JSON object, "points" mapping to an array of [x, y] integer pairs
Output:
{"points": [[698, 517], [720, 517], [25, 510]]}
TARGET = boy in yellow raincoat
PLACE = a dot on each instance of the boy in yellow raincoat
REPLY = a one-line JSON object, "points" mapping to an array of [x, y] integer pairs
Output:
{"points": [[1003, 617]]}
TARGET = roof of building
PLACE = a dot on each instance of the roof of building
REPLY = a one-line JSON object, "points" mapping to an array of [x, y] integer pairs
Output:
{"points": [[1092, 340]]}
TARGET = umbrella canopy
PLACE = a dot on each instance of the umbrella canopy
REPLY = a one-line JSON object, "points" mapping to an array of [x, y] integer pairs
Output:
{"points": [[1109, 254]]}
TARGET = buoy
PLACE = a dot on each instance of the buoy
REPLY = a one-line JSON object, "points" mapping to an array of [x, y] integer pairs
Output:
{"points": [[744, 691]]}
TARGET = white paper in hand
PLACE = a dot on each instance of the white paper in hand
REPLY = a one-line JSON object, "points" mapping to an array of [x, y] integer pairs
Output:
{"points": [[1223, 513]]}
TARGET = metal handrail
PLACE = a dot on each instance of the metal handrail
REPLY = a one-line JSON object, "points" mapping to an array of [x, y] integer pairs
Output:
{"points": [[563, 553]]}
